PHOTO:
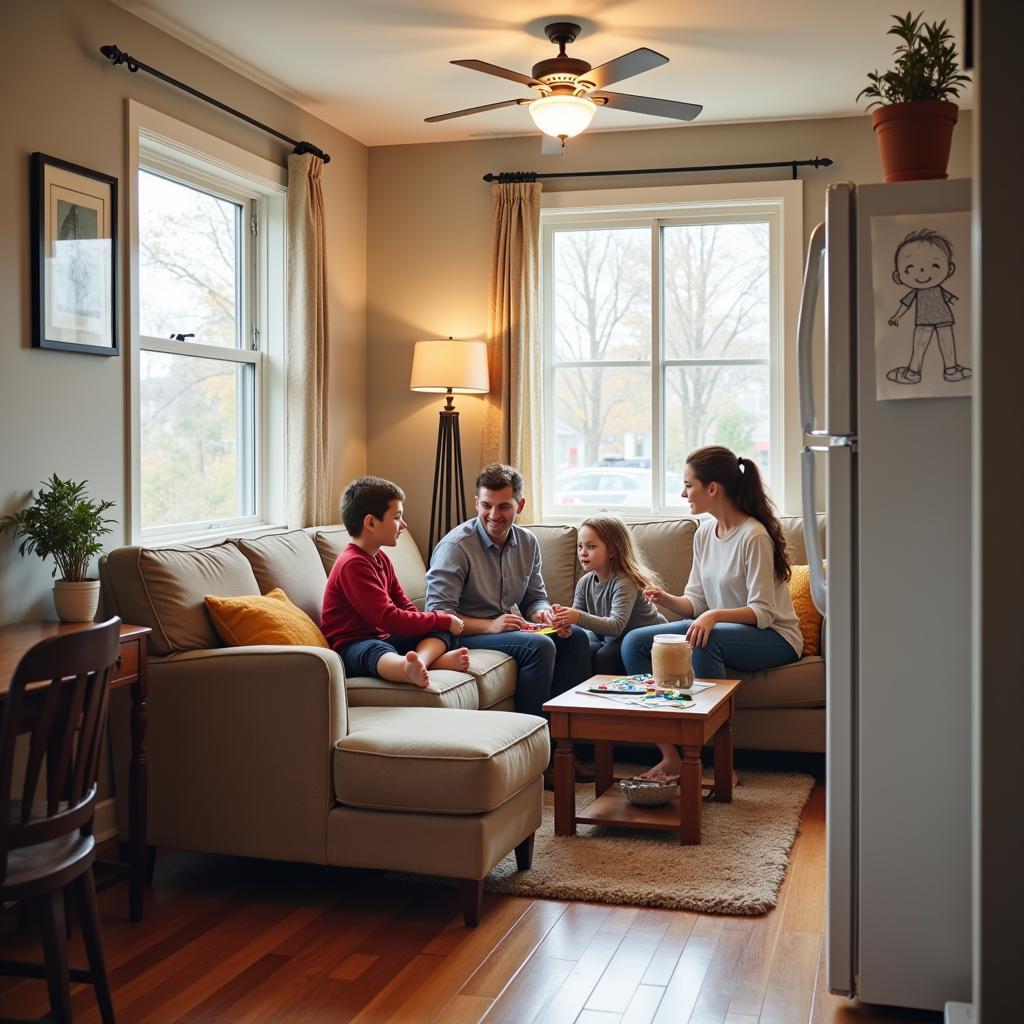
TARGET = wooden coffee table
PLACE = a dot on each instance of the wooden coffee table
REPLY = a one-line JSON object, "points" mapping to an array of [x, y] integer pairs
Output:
{"points": [[604, 722]]}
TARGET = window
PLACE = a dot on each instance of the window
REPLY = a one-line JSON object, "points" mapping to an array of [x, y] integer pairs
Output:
{"points": [[662, 333], [207, 296]]}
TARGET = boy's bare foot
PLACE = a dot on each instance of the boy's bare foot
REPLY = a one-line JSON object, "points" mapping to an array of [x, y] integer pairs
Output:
{"points": [[457, 660], [666, 766], [415, 670]]}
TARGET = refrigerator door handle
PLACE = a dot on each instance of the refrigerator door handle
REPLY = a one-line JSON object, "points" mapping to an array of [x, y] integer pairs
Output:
{"points": [[805, 329], [812, 537]]}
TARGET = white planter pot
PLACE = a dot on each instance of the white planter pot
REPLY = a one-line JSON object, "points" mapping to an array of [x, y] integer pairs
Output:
{"points": [[76, 602]]}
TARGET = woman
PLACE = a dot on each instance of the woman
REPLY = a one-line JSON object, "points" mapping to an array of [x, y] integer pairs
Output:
{"points": [[736, 607]]}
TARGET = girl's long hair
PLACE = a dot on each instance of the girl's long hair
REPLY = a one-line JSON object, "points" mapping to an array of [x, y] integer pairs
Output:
{"points": [[624, 556], [742, 482]]}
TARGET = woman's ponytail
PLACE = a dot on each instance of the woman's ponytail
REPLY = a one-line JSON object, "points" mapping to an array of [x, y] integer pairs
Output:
{"points": [[742, 482]]}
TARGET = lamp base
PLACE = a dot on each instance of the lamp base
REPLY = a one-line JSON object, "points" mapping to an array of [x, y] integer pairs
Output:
{"points": [[448, 505]]}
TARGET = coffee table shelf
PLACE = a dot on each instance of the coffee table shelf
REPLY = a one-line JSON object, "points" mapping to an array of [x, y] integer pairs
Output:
{"points": [[579, 715]]}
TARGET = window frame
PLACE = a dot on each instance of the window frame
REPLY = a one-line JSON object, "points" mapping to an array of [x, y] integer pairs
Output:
{"points": [[780, 204], [177, 151]]}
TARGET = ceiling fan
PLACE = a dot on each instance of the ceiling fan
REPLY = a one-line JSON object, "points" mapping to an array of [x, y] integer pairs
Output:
{"points": [[571, 90]]}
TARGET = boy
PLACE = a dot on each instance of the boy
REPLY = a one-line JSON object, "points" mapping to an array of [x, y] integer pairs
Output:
{"points": [[924, 260], [367, 617]]}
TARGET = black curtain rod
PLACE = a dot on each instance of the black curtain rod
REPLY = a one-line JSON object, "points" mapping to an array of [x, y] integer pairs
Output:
{"points": [[508, 177], [117, 56]]}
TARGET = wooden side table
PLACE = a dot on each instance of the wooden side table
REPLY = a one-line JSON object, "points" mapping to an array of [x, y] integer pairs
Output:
{"points": [[579, 715], [130, 670]]}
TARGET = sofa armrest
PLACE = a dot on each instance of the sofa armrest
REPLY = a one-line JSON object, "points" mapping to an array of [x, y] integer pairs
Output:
{"points": [[239, 743]]}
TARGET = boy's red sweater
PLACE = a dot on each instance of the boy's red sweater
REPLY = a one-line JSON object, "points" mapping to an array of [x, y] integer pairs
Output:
{"points": [[364, 599]]}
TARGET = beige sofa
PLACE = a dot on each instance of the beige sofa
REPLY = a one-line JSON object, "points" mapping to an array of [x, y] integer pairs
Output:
{"points": [[270, 752]]}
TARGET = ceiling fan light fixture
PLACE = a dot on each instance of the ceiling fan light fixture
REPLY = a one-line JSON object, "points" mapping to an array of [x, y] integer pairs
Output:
{"points": [[562, 117]]}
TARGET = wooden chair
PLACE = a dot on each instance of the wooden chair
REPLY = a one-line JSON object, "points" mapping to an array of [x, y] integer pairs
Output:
{"points": [[59, 695]]}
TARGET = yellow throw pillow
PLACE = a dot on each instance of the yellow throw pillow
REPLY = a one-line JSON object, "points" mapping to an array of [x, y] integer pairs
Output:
{"points": [[808, 616], [267, 619]]}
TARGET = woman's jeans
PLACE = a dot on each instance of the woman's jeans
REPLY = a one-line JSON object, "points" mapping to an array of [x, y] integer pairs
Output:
{"points": [[746, 648]]}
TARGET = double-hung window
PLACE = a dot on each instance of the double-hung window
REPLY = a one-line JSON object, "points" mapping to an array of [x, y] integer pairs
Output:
{"points": [[664, 318], [207, 296]]}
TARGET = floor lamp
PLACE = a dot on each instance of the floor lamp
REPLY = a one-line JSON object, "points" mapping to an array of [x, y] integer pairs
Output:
{"points": [[448, 368]]}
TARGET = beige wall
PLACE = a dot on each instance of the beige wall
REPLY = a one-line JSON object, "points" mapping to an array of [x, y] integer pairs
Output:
{"points": [[429, 248], [66, 412]]}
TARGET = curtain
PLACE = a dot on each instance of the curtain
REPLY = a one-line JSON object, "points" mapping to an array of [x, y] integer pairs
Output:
{"points": [[308, 438], [512, 418]]}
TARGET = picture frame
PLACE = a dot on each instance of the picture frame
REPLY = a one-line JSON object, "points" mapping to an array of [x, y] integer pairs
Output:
{"points": [[74, 257]]}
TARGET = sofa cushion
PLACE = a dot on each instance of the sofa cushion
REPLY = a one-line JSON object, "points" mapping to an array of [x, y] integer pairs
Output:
{"points": [[405, 557], [263, 619], [798, 685], [495, 674], [793, 531], [667, 547], [446, 690], [289, 561], [808, 616], [558, 561], [164, 588], [437, 760]]}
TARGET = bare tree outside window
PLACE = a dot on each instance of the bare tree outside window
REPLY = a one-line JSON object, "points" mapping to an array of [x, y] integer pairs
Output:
{"points": [[602, 313], [196, 412], [717, 308], [714, 294]]}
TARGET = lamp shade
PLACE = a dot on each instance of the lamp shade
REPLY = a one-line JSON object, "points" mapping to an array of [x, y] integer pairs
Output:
{"points": [[562, 116], [458, 366]]}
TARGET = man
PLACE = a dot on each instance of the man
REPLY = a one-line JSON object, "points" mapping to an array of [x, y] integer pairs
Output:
{"points": [[487, 571]]}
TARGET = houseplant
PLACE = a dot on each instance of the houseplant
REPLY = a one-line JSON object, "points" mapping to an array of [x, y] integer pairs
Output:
{"points": [[65, 525], [914, 116]]}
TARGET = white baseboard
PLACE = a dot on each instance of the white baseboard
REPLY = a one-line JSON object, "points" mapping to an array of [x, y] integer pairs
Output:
{"points": [[104, 824]]}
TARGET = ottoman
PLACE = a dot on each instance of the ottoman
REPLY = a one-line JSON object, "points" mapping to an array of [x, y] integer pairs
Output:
{"points": [[438, 791]]}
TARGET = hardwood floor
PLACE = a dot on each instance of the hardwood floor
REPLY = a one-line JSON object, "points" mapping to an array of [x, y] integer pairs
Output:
{"points": [[231, 940]]}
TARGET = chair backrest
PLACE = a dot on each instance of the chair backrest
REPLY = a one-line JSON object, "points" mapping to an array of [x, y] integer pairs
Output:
{"points": [[59, 695]]}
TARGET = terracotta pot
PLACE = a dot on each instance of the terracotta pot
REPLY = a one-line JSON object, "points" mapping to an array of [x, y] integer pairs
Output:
{"points": [[76, 602], [914, 138]]}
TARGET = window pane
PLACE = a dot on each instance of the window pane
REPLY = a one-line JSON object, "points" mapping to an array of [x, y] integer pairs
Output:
{"points": [[715, 405], [198, 432], [716, 291], [189, 258], [602, 294], [602, 424]]}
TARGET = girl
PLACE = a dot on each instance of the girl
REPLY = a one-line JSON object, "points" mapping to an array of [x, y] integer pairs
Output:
{"points": [[609, 598], [736, 607]]}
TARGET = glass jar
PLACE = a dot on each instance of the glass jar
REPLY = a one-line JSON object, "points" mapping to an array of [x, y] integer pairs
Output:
{"points": [[671, 663]]}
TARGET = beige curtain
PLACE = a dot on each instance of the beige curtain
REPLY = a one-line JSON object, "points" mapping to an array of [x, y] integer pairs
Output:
{"points": [[309, 501], [512, 419]]}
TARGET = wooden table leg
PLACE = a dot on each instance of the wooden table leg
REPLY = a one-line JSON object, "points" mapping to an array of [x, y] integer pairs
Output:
{"points": [[565, 789], [723, 764], [689, 797], [138, 784], [604, 763]]}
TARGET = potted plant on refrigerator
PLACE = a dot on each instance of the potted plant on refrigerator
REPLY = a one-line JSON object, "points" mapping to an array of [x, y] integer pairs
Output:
{"points": [[65, 525], [914, 116]]}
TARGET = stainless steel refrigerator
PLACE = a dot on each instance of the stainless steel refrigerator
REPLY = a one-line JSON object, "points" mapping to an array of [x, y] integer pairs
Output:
{"points": [[895, 472]]}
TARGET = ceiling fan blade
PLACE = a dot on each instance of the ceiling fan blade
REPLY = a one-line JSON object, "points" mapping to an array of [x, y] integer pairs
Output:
{"points": [[493, 69], [550, 146], [649, 105], [626, 66], [474, 110]]}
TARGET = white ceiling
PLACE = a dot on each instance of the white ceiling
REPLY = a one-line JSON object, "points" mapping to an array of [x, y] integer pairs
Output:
{"points": [[376, 68]]}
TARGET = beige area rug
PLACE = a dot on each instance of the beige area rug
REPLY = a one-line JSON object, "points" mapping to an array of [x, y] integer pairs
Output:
{"points": [[737, 869]]}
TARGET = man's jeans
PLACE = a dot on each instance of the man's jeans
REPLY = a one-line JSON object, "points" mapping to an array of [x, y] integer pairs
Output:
{"points": [[547, 664], [746, 648]]}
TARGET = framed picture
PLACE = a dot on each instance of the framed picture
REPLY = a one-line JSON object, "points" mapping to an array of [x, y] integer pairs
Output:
{"points": [[74, 257]]}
